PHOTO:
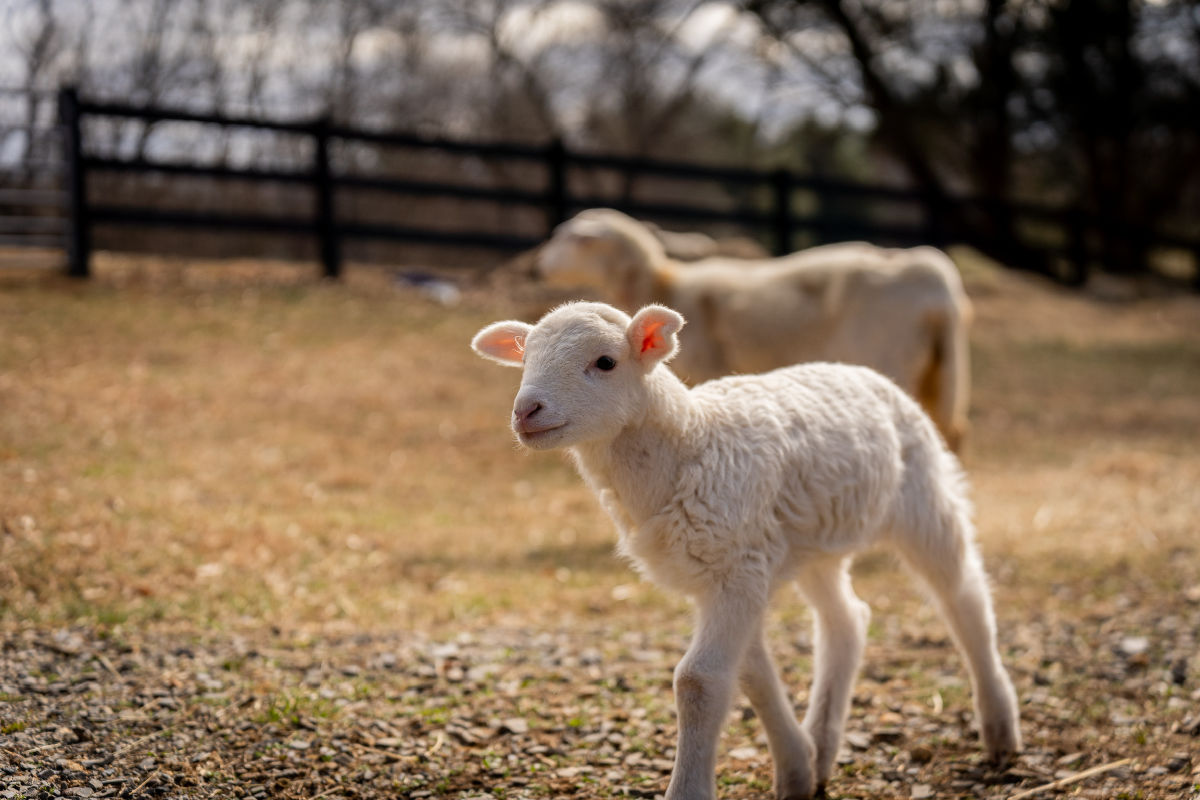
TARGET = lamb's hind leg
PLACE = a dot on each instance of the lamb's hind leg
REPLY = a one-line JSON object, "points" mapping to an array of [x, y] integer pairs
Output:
{"points": [[791, 747], [951, 566], [841, 635]]}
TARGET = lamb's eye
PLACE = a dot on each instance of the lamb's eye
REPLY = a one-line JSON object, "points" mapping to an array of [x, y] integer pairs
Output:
{"points": [[605, 363]]}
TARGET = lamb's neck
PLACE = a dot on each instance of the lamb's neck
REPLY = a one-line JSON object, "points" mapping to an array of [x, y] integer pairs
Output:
{"points": [[639, 465]]}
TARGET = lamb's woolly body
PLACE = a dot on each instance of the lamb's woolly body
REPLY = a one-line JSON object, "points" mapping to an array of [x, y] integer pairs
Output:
{"points": [[727, 490], [902, 312], [767, 470]]}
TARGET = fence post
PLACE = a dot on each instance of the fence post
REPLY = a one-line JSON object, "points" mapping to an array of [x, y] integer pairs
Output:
{"points": [[1077, 255], [781, 222], [556, 185], [78, 243], [937, 217], [326, 222]]}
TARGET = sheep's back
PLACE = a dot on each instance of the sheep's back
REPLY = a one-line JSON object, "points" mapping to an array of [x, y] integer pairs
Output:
{"points": [[851, 303]]}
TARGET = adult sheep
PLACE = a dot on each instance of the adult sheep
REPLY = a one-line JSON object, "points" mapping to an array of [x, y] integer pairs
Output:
{"points": [[730, 489], [680, 245], [902, 312]]}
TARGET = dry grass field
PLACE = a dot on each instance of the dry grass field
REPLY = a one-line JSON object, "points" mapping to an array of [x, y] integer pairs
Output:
{"points": [[263, 537]]}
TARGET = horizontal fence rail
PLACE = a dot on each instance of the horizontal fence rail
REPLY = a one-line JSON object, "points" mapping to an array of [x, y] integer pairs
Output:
{"points": [[938, 219], [32, 202]]}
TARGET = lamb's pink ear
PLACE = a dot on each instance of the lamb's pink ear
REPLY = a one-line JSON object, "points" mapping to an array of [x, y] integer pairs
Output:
{"points": [[503, 342], [652, 334]]}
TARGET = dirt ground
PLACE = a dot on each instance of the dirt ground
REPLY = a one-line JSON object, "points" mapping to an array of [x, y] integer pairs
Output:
{"points": [[263, 537]]}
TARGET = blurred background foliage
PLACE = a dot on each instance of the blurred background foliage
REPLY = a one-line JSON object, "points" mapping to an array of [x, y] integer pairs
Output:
{"points": [[1094, 104]]}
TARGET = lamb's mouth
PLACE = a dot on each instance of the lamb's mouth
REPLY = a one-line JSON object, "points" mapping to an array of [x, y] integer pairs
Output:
{"points": [[537, 433]]}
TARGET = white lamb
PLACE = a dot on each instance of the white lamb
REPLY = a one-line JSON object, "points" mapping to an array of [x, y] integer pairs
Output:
{"points": [[732, 488], [902, 312]]}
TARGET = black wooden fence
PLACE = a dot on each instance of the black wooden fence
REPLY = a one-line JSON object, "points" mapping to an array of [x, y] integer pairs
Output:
{"points": [[940, 219]]}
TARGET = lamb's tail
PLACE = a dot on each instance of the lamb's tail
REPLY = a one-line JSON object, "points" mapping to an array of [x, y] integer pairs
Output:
{"points": [[954, 372]]}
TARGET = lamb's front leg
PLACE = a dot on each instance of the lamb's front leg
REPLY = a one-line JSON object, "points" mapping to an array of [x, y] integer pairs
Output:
{"points": [[704, 684], [791, 747]]}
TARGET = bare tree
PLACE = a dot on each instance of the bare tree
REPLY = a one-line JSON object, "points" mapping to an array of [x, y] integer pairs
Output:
{"points": [[40, 44]]}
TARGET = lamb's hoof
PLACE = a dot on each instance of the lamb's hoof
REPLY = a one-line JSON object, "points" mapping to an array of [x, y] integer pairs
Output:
{"points": [[1003, 742], [800, 789], [1001, 759]]}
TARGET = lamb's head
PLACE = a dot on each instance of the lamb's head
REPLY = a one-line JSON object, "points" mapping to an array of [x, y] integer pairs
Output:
{"points": [[596, 247], [585, 369]]}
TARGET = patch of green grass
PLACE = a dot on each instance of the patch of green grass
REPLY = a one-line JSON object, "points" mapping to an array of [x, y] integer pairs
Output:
{"points": [[859, 769], [234, 664], [438, 715], [288, 707], [362, 691], [731, 779], [13, 727], [1098, 712], [104, 615]]}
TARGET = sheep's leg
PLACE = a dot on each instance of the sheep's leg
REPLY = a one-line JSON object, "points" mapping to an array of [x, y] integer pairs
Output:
{"points": [[704, 685], [959, 586], [791, 747], [841, 635]]}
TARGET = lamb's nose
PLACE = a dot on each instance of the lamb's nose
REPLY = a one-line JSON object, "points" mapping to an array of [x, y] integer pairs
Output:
{"points": [[525, 411]]}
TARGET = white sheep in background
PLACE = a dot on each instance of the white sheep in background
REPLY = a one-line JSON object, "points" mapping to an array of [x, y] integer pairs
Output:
{"points": [[903, 312], [680, 245], [732, 488]]}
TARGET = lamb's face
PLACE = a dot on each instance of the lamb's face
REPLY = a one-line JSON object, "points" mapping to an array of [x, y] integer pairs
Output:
{"points": [[579, 383], [585, 367]]}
